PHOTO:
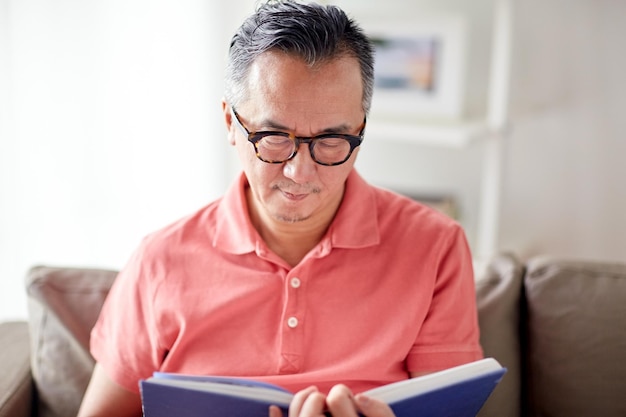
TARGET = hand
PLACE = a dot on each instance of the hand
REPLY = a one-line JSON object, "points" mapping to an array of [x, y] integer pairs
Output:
{"points": [[340, 402]]}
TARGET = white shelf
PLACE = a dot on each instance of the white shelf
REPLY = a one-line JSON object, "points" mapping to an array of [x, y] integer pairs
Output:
{"points": [[453, 135]]}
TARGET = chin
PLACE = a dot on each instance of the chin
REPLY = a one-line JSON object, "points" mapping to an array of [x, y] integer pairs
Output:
{"points": [[290, 217]]}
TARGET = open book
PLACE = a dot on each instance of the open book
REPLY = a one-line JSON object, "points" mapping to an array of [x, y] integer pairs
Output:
{"points": [[456, 392]]}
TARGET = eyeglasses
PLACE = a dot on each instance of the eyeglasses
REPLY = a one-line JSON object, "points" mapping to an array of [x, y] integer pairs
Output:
{"points": [[326, 149]]}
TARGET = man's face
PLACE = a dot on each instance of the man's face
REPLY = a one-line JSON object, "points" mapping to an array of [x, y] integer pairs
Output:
{"points": [[286, 95]]}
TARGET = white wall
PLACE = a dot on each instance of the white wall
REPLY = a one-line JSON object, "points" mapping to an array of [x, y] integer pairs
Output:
{"points": [[111, 127], [565, 176]]}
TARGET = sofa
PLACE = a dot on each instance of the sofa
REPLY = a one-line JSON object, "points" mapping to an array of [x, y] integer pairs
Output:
{"points": [[558, 326]]}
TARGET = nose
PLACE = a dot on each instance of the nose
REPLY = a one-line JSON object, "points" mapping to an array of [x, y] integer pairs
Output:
{"points": [[301, 168]]}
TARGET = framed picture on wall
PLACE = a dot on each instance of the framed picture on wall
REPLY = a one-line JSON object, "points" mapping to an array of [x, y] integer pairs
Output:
{"points": [[419, 69], [406, 63], [444, 203]]}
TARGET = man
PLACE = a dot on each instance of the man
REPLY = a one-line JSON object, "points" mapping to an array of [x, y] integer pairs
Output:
{"points": [[302, 274]]}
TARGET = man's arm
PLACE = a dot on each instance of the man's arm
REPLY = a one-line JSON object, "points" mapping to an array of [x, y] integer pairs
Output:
{"points": [[105, 398]]}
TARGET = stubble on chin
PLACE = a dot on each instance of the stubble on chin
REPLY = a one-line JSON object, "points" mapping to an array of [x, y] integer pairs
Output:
{"points": [[288, 216]]}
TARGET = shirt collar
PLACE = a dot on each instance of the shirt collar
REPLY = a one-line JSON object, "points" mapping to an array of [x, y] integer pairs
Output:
{"points": [[234, 232], [356, 222]]}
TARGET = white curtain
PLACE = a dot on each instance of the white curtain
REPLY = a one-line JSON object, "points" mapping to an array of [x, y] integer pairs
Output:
{"points": [[110, 127]]}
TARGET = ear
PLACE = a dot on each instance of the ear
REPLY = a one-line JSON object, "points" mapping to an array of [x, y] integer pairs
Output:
{"points": [[228, 119]]}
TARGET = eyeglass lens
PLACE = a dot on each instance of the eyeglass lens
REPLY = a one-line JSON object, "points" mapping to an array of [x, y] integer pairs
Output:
{"points": [[329, 150]]}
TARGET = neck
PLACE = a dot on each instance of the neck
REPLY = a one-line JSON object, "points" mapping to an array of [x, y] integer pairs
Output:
{"points": [[291, 241]]}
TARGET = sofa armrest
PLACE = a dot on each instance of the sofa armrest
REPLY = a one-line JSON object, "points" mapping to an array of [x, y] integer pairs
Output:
{"points": [[16, 387]]}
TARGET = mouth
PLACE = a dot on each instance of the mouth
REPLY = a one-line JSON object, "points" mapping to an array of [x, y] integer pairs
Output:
{"points": [[293, 197], [295, 193]]}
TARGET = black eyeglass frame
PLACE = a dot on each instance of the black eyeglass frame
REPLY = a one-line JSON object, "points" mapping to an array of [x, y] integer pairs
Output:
{"points": [[255, 137]]}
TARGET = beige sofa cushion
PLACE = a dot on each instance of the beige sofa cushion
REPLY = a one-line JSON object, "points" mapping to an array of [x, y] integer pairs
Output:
{"points": [[15, 381], [498, 295], [576, 338], [64, 304]]}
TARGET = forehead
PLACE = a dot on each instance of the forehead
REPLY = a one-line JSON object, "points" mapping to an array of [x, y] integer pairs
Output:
{"points": [[287, 84]]}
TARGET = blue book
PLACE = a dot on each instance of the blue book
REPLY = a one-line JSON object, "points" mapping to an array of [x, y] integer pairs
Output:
{"points": [[456, 392]]}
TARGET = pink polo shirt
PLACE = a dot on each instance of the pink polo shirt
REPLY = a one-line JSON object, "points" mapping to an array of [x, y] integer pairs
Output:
{"points": [[388, 290]]}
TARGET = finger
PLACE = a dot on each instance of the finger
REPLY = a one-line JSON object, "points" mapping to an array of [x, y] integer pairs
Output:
{"points": [[371, 407], [298, 401], [313, 406], [340, 402], [275, 411]]}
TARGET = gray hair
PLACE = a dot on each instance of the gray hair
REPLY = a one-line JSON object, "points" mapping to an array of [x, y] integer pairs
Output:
{"points": [[311, 32]]}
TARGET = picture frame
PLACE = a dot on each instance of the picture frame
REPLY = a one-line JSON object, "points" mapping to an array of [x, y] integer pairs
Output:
{"points": [[419, 69], [442, 202]]}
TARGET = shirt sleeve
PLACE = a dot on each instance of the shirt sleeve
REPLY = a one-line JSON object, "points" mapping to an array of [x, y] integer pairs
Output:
{"points": [[449, 335], [125, 340]]}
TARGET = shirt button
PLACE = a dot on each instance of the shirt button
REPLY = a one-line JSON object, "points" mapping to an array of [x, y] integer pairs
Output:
{"points": [[295, 283], [292, 322]]}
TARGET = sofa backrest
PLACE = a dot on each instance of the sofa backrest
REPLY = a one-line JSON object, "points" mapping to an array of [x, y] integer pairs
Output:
{"points": [[559, 327], [498, 298], [63, 305], [575, 362]]}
